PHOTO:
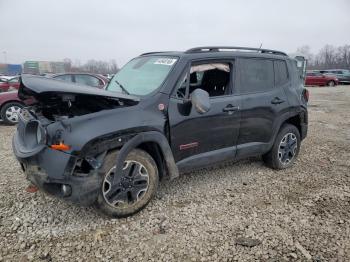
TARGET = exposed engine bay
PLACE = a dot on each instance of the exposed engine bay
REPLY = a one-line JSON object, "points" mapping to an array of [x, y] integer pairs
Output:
{"points": [[57, 100], [63, 106]]}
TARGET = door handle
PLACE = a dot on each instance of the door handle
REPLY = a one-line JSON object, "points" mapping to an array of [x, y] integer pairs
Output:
{"points": [[277, 101], [230, 108]]}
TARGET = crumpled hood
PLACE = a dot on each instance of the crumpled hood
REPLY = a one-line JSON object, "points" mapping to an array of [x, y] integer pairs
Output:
{"points": [[37, 86]]}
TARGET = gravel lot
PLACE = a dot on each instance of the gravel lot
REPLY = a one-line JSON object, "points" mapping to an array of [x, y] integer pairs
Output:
{"points": [[235, 212]]}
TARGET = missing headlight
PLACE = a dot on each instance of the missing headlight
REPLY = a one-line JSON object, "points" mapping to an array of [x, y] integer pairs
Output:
{"points": [[41, 135], [34, 134]]}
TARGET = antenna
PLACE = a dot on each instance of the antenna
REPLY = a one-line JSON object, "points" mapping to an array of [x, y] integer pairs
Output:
{"points": [[260, 46]]}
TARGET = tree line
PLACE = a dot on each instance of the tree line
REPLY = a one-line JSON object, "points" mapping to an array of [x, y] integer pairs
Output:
{"points": [[92, 66], [329, 57]]}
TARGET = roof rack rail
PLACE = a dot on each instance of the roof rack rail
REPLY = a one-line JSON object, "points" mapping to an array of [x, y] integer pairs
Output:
{"points": [[218, 48], [157, 52]]}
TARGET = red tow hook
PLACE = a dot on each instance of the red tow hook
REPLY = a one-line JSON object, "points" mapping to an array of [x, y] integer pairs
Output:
{"points": [[31, 188]]}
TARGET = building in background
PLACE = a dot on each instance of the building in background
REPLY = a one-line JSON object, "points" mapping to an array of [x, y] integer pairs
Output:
{"points": [[43, 67], [10, 69], [31, 67]]}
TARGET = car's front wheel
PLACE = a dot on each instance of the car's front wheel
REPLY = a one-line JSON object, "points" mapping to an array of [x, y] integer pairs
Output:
{"points": [[10, 112], [124, 194], [285, 148]]}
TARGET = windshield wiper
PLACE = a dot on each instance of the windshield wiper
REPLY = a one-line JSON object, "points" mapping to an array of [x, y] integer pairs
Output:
{"points": [[122, 87]]}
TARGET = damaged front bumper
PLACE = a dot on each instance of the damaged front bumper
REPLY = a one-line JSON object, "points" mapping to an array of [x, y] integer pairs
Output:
{"points": [[53, 172]]}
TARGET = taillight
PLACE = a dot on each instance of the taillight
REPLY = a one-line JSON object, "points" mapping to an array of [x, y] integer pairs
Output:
{"points": [[306, 95]]}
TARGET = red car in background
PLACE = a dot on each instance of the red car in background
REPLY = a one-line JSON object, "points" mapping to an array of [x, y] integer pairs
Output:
{"points": [[88, 79], [11, 105], [9, 84], [318, 79]]}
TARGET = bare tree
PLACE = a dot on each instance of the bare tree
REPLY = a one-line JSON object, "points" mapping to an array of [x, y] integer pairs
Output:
{"points": [[329, 57], [344, 56], [306, 52], [96, 66]]}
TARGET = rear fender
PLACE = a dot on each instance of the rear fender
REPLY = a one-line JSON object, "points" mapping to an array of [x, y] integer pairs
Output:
{"points": [[284, 118]]}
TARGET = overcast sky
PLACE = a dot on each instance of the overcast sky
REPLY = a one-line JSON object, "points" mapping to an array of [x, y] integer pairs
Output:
{"points": [[82, 29]]}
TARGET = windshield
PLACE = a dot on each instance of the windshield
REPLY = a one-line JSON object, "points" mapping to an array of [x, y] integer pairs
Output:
{"points": [[142, 75]]}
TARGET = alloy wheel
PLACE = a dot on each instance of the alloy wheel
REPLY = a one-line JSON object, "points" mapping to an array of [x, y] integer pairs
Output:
{"points": [[287, 148], [12, 113], [128, 187]]}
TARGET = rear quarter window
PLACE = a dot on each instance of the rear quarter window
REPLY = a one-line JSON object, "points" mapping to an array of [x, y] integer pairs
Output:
{"points": [[281, 72]]}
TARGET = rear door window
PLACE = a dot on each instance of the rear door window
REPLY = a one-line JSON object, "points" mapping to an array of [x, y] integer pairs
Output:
{"points": [[256, 75]]}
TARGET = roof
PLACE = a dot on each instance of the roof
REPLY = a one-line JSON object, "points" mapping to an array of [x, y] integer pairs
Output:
{"points": [[222, 51]]}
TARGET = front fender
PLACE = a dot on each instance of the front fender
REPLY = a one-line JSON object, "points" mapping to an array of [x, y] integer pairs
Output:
{"points": [[151, 136]]}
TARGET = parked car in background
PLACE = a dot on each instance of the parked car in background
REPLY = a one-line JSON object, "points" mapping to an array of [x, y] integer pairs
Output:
{"points": [[9, 84], [6, 77], [315, 78], [108, 76], [88, 79], [10, 107], [343, 75]]}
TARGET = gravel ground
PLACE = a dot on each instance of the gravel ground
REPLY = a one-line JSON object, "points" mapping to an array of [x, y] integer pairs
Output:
{"points": [[235, 212]]}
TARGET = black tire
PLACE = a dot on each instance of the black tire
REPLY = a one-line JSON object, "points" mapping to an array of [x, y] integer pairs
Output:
{"points": [[125, 189], [280, 156], [10, 120], [331, 83]]}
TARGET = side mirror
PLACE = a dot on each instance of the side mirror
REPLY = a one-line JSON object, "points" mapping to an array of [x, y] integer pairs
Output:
{"points": [[200, 100]]}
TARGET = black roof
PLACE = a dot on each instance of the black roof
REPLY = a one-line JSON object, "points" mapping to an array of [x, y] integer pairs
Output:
{"points": [[222, 51]]}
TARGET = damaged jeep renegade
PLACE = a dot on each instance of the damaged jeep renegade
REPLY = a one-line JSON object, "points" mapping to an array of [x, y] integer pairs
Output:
{"points": [[163, 113]]}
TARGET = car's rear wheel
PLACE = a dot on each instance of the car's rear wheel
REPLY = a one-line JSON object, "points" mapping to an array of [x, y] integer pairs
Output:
{"points": [[10, 112], [124, 194], [285, 148], [331, 83]]}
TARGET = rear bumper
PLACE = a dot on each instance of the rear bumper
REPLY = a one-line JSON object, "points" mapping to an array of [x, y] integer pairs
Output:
{"points": [[52, 171]]}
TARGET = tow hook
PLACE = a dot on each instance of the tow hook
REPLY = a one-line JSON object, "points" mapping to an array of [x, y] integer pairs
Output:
{"points": [[31, 188]]}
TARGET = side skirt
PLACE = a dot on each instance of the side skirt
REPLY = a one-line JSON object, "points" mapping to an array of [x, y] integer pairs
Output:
{"points": [[221, 155], [206, 159]]}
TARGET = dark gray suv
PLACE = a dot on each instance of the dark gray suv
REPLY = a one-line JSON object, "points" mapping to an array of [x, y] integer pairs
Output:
{"points": [[162, 114]]}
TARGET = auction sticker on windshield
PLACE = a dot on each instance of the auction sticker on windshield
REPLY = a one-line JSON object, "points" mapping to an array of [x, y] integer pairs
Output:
{"points": [[165, 61]]}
